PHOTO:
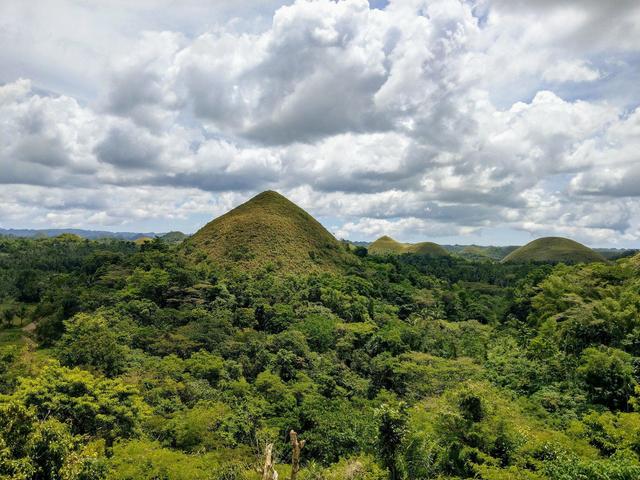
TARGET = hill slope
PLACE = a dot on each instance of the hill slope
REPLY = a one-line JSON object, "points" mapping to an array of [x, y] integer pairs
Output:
{"points": [[427, 248], [270, 230], [142, 240], [388, 246], [174, 237], [552, 250]]}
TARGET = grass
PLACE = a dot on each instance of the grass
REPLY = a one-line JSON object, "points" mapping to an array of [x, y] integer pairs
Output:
{"points": [[12, 336], [388, 246], [30, 359], [269, 231], [142, 240], [554, 250]]}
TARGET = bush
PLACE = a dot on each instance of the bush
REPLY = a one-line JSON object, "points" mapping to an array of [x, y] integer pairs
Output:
{"points": [[608, 376]]}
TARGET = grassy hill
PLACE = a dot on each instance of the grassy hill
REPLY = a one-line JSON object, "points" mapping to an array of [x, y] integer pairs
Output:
{"points": [[142, 240], [427, 248], [270, 231], [174, 237], [553, 250], [388, 246]]}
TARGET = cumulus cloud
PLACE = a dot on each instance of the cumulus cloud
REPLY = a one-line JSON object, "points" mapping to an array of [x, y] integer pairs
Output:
{"points": [[128, 148], [140, 85], [591, 24], [406, 228], [568, 71], [419, 119], [44, 140], [616, 161]]}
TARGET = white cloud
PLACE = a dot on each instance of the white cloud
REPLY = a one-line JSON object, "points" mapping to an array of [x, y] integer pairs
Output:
{"points": [[568, 71], [615, 160], [438, 118], [406, 228]]}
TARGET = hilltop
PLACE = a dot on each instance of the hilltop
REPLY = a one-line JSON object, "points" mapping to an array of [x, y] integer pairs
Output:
{"points": [[174, 237], [553, 250], [270, 231], [388, 246], [142, 240]]}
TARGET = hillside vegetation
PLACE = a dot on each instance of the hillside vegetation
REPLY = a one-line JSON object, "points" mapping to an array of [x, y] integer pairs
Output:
{"points": [[388, 246], [121, 361], [174, 237], [554, 250], [269, 231], [480, 252], [142, 240]]}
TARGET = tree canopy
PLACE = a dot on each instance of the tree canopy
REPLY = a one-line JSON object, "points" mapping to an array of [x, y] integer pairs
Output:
{"points": [[125, 361]]}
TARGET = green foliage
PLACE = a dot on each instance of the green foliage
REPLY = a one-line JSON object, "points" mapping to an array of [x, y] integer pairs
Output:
{"points": [[205, 427], [474, 429], [88, 341], [147, 460], [352, 468], [391, 434], [43, 449], [401, 366], [337, 428], [150, 284], [89, 405], [319, 330], [609, 376]]}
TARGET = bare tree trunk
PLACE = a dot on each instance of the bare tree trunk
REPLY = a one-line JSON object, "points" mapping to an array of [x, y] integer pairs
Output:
{"points": [[268, 472], [296, 446]]}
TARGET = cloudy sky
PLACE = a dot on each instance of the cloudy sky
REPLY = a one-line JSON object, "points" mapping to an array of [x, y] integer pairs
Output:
{"points": [[486, 121]]}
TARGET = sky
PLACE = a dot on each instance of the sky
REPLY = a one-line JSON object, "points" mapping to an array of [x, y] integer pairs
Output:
{"points": [[455, 121]]}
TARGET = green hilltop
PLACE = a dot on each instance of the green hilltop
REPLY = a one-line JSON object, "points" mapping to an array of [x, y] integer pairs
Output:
{"points": [[388, 246], [142, 240], [270, 231], [174, 237], [554, 250]]}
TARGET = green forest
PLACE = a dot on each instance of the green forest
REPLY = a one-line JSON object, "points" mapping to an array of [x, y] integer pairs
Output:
{"points": [[148, 361]]}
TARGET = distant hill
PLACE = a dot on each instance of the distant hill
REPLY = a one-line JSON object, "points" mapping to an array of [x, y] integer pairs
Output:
{"points": [[270, 230], [142, 240], [427, 248], [616, 253], [89, 234], [554, 250], [479, 252], [634, 261], [388, 246], [357, 243], [174, 237]]}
